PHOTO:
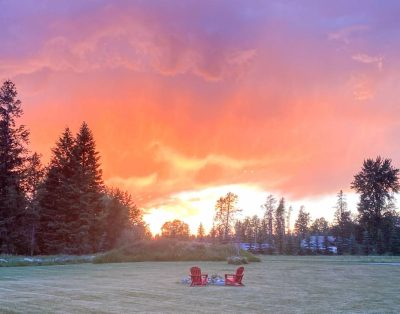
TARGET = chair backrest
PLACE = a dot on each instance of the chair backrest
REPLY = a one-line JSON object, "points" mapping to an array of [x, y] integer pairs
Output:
{"points": [[195, 274], [239, 274]]}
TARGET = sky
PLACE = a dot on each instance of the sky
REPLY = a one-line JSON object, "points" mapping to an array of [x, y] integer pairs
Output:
{"points": [[191, 99]]}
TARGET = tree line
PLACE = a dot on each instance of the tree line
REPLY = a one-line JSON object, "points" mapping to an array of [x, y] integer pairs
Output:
{"points": [[63, 207], [374, 230]]}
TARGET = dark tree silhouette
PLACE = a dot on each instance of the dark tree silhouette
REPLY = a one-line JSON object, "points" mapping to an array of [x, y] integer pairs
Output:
{"points": [[226, 211], [280, 214], [376, 183], [176, 229], [13, 157], [269, 207], [320, 226], [302, 223], [201, 232], [88, 190], [34, 178], [56, 197]]}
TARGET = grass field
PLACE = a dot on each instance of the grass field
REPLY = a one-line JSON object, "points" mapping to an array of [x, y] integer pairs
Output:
{"points": [[280, 284]]}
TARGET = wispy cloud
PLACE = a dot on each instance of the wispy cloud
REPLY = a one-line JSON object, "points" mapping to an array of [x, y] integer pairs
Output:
{"points": [[367, 59], [347, 34]]}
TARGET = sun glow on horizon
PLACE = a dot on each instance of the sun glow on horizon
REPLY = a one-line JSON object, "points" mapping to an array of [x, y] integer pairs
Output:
{"points": [[198, 206]]}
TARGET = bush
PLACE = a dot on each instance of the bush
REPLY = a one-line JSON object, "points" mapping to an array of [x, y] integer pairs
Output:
{"points": [[237, 260], [250, 257]]}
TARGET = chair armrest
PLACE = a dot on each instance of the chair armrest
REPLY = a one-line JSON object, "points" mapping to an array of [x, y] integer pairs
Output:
{"points": [[230, 275]]}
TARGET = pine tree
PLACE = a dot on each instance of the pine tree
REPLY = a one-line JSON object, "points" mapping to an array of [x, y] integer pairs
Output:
{"points": [[56, 197], [255, 226], [34, 177], [213, 233], [200, 232], [288, 217], [87, 183], [343, 225], [119, 216], [13, 156], [302, 223], [269, 208], [289, 249], [280, 226]]}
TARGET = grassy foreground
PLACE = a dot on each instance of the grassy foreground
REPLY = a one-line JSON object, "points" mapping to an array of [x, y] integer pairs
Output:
{"points": [[277, 285]]}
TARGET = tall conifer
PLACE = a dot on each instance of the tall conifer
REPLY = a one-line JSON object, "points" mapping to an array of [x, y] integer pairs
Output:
{"points": [[88, 188], [13, 156], [56, 198]]}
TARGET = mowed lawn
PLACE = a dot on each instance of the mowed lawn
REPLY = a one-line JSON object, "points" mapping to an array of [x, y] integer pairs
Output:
{"points": [[276, 285]]}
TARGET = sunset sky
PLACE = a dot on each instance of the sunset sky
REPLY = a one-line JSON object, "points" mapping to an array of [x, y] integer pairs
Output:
{"points": [[191, 99]]}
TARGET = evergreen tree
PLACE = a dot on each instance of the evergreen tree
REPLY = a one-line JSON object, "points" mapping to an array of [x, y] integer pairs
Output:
{"points": [[255, 229], [115, 219], [200, 232], [213, 233], [302, 223], [13, 156], [289, 249], [269, 208], [87, 210], [341, 245], [299, 243], [56, 198], [34, 177], [288, 217], [247, 230], [280, 226], [343, 225], [239, 232]]}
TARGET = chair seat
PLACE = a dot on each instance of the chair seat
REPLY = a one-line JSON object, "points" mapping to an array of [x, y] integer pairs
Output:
{"points": [[198, 279], [235, 279]]}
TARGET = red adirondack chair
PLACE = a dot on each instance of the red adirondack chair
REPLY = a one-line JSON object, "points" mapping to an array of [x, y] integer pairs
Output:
{"points": [[235, 279], [198, 279]]}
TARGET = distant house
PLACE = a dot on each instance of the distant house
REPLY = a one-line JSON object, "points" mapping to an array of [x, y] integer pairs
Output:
{"points": [[254, 246], [315, 243]]}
